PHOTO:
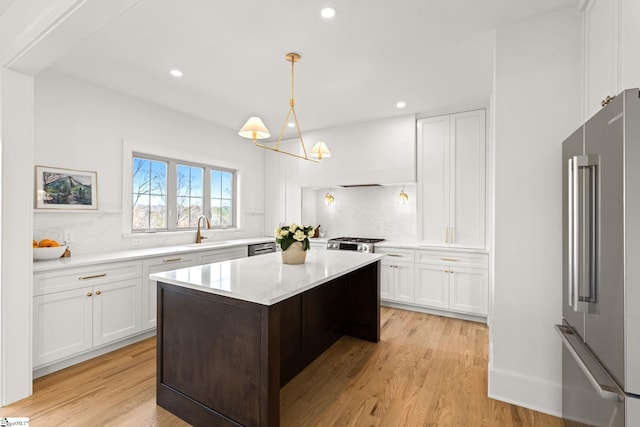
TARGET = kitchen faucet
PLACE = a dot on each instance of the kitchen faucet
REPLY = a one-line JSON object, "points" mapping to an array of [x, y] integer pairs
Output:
{"points": [[198, 234]]}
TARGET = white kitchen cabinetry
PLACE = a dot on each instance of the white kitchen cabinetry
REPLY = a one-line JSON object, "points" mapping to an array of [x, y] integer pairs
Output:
{"points": [[451, 180], [601, 23], [217, 255], [149, 288], [397, 275], [452, 281], [81, 308], [283, 193]]}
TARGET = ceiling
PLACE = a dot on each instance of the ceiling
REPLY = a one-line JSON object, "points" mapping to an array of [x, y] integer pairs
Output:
{"points": [[436, 55]]}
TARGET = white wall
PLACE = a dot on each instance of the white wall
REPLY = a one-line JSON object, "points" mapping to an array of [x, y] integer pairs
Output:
{"points": [[373, 212], [537, 105], [82, 126]]}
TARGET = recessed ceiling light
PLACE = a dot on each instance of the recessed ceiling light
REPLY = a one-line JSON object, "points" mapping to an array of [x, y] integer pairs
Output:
{"points": [[401, 104], [328, 12], [291, 124], [176, 73]]}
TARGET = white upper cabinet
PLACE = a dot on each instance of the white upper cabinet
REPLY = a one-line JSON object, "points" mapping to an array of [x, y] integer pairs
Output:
{"points": [[452, 180], [611, 55], [630, 53], [601, 52], [376, 152]]}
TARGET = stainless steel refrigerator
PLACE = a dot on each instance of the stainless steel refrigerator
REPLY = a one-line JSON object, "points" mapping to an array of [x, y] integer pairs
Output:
{"points": [[601, 268]]}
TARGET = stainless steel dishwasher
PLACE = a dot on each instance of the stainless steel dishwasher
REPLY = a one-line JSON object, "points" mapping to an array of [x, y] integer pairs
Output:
{"points": [[262, 248]]}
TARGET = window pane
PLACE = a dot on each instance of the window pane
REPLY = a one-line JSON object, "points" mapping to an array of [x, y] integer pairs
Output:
{"points": [[216, 213], [227, 185], [196, 182], [182, 180], [149, 180], [158, 212], [195, 208], [141, 174], [140, 217], [190, 183], [226, 217], [159, 178], [216, 183]]}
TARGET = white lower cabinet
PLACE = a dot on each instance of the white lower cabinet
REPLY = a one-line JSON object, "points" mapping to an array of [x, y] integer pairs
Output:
{"points": [[396, 281], [63, 325], [455, 288], [116, 311], [149, 288], [444, 280], [432, 286], [76, 320]]}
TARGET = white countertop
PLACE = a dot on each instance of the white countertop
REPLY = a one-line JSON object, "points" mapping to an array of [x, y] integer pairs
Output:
{"points": [[265, 279], [100, 258]]}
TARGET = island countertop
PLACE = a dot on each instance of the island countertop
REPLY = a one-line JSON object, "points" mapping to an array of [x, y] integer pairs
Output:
{"points": [[265, 279]]}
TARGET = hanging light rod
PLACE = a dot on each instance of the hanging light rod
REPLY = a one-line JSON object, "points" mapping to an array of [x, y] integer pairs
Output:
{"points": [[255, 129]]}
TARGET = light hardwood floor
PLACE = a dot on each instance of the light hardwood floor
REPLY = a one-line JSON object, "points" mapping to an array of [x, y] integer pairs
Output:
{"points": [[425, 371]]}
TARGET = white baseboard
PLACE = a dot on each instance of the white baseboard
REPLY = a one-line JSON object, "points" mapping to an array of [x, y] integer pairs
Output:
{"points": [[528, 392], [435, 311], [65, 363]]}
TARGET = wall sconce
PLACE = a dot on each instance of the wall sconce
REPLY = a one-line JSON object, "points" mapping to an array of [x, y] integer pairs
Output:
{"points": [[329, 199], [403, 197]]}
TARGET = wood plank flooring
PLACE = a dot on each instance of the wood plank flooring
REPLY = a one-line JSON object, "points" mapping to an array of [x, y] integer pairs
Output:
{"points": [[426, 371]]}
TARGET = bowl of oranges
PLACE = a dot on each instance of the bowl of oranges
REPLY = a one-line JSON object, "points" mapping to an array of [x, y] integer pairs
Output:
{"points": [[47, 249]]}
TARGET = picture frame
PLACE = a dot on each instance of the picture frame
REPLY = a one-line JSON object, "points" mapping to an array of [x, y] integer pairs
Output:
{"points": [[65, 189]]}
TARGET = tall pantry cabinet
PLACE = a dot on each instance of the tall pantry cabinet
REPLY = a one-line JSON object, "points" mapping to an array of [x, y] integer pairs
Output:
{"points": [[452, 180]]}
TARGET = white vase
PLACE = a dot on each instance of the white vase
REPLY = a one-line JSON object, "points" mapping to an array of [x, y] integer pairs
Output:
{"points": [[294, 254]]}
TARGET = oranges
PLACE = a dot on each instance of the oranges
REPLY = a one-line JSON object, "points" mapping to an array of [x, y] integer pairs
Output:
{"points": [[46, 243]]}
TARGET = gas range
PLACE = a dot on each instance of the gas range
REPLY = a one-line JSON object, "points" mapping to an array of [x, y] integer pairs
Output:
{"points": [[357, 244]]}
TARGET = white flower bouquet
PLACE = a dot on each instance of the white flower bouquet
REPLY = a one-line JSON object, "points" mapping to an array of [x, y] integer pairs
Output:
{"points": [[289, 234]]}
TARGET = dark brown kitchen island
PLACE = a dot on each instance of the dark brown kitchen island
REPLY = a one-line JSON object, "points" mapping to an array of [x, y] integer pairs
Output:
{"points": [[230, 334]]}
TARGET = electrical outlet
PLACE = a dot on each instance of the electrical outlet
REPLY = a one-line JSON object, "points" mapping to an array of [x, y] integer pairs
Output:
{"points": [[68, 236], [135, 242]]}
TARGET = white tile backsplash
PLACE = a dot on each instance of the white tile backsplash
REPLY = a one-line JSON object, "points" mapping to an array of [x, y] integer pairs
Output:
{"points": [[374, 212]]}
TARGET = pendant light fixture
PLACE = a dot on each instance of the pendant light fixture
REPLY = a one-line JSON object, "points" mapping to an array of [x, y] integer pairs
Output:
{"points": [[255, 129]]}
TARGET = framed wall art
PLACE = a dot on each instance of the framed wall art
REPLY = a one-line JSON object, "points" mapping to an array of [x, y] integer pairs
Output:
{"points": [[66, 189]]}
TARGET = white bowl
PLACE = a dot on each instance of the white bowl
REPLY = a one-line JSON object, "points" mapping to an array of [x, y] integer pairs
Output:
{"points": [[40, 254]]}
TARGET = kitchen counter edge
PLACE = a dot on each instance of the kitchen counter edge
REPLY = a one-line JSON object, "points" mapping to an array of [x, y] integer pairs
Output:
{"points": [[106, 257]]}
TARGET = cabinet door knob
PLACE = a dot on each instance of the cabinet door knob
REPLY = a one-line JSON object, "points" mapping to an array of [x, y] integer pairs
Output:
{"points": [[89, 294], [446, 271], [98, 292]]}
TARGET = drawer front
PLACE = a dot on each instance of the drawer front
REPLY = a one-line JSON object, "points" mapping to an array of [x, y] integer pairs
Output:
{"points": [[73, 278], [462, 259], [396, 254], [218, 255]]}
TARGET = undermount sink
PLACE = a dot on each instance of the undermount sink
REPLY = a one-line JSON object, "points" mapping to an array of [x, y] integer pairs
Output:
{"points": [[207, 244]]}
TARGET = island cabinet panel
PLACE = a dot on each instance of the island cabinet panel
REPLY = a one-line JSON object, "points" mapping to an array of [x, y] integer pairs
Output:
{"points": [[211, 349]]}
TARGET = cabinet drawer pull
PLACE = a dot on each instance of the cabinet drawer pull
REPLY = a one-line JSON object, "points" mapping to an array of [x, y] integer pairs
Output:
{"points": [[449, 259], [172, 260], [92, 277], [98, 292], [89, 294], [395, 255]]}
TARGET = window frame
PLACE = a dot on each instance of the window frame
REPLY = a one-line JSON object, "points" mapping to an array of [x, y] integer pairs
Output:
{"points": [[172, 192]]}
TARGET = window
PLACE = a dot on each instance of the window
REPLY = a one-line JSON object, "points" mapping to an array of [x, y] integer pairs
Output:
{"points": [[171, 195]]}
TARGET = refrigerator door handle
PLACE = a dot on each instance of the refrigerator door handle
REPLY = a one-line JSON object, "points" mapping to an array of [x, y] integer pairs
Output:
{"points": [[597, 376], [583, 221]]}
